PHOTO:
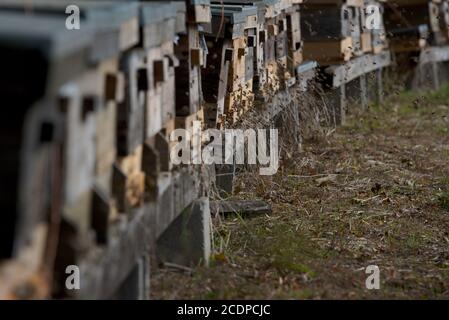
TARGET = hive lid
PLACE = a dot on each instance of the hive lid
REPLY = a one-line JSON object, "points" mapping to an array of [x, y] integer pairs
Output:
{"points": [[247, 2], [45, 33], [103, 15], [236, 14], [155, 12], [189, 2]]}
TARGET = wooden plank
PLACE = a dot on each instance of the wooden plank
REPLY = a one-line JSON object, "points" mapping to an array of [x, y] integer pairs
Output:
{"points": [[444, 18], [114, 24], [81, 97], [295, 44], [132, 238], [400, 15], [405, 3], [131, 111], [201, 13], [407, 45], [352, 3], [366, 42], [434, 54], [355, 68], [129, 182], [325, 22], [328, 52], [305, 72]]}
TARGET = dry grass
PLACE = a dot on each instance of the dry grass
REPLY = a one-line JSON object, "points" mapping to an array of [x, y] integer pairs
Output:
{"points": [[376, 191]]}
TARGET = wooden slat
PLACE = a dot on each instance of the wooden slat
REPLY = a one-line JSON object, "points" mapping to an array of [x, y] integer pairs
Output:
{"points": [[353, 69], [328, 52], [434, 54]]}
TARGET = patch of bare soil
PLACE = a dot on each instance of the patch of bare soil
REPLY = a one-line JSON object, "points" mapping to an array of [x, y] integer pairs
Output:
{"points": [[373, 192]]}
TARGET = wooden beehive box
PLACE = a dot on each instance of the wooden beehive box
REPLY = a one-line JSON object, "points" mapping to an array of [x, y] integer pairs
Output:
{"points": [[260, 74], [161, 22], [116, 22], [160, 28], [275, 47], [195, 11], [191, 53], [94, 94], [84, 94], [89, 105], [175, 52], [149, 103], [228, 76], [406, 21], [295, 45], [444, 18], [79, 103], [33, 53], [272, 72], [198, 11], [332, 30]]}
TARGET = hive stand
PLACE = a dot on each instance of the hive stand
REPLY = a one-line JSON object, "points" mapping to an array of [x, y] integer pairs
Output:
{"points": [[432, 69], [347, 83]]}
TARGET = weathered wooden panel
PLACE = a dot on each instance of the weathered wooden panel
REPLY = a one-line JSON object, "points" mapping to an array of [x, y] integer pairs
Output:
{"points": [[400, 15], [236, 62], [106, 124], [324, 22], [355, 68], [329, 52], [81, 98], [190, 51], [130, 114], [332, 22], [294, 39], [115, 24], [444, 18], [305, 72], [434, 54]]}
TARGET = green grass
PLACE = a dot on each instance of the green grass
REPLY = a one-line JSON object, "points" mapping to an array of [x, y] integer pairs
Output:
{"points": [[439, 96], [443, 199], [414, 241]]}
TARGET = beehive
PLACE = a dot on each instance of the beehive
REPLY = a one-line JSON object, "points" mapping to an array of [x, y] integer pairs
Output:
{"points": [[228, 76], [34, 53], [413, 24], [332, 30]]}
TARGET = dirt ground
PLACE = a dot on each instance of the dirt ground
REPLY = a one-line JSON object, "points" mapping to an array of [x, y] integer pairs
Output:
{"points": [[372, 192]]}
